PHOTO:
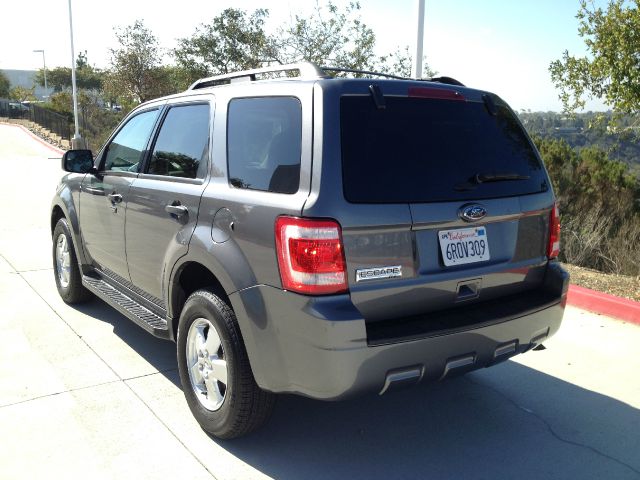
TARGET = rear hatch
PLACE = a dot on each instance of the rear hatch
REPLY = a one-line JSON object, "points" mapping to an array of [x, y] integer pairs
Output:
{"points": [[448, 201]]}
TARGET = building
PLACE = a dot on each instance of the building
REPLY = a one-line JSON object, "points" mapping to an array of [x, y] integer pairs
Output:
{"points": [[26, 79]]}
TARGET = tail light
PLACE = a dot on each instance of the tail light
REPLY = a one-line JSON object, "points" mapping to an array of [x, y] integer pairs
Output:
{"points": [[310, 256], [435, 93], [553, 249]]}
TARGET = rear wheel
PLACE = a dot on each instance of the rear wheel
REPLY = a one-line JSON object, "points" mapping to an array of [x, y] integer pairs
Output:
{"points": [[65, 266], [214, 369]]}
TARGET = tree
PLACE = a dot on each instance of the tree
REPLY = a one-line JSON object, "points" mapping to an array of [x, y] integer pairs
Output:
{"points": [[136, 73], [5, 85], [61, 102], [96, 122], [234, 40], [611, 69], [22, 94], [598, 200], [334, 37], [59, 78], [329, 36], [400, 63]]}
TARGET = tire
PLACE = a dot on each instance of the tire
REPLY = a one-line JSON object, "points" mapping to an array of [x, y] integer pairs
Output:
{"points": [[209, 341], [65, 266]]}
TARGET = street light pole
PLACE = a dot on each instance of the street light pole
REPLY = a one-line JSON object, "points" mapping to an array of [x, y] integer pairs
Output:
{"points": [[417, 60], [76, 142], [44, 64]]}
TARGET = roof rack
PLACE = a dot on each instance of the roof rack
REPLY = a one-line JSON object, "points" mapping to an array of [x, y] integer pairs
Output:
{"points": [[447, 80], [366, 72], [306, 70]]}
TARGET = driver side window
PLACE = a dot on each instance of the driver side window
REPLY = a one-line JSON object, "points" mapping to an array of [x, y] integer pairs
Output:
{"points": [[125, 150]]}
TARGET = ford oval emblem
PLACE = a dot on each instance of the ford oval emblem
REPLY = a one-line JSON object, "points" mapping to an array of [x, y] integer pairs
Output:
{"points": [[472, 213]]}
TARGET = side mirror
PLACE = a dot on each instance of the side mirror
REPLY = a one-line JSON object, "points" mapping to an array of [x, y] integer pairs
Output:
{"points": [[77, 161]]}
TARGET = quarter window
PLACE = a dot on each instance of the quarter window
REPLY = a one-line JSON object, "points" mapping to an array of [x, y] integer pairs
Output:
{"points": [[182, 147], [264, 138], [125, 150]]}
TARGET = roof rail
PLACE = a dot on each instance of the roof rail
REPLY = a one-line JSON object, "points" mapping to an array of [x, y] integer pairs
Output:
{"points": [[305, 69], [366, 72], [447, 80]]}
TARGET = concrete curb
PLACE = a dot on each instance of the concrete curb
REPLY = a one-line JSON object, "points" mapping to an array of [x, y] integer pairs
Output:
{"points": [[37, 138], [604, 304]]}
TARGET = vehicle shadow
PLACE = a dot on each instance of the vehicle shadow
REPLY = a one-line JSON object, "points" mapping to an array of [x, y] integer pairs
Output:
{"points": [[507, 421], [510, 421], [161, 354]]}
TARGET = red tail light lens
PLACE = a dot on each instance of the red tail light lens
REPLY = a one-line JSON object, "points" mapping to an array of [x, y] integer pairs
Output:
{"points": [[553, 249], [435, 93], [310, 256]]}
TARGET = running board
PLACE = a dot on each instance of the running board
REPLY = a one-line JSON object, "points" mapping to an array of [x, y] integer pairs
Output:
{"points": [[144, 317]]}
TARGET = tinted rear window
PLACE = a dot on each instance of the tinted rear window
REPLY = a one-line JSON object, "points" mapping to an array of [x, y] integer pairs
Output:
{"points": [[182, 146], [425, 150]]}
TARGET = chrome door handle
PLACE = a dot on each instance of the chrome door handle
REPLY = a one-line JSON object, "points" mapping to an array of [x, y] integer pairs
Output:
{"points": [[177, 210], [115, 197]]}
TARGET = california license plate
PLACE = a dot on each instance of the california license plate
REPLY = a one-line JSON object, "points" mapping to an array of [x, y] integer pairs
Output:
{"points": [[464, 245]]}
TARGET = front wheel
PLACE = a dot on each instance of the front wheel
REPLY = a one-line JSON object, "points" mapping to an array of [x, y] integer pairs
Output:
{"points": [[214, 369], [65, 266]]}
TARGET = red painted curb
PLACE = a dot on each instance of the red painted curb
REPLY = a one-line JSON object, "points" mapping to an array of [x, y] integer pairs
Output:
{"points": [[604, 304], [35, 137]]}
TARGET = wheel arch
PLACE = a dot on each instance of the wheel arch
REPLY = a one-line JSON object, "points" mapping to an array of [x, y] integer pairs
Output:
{"points": [[63, 207], [56, 214], [227, 267], [187, 277]]}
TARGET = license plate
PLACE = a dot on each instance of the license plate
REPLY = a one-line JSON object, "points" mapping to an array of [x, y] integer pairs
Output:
{"points": [[465, 245]]}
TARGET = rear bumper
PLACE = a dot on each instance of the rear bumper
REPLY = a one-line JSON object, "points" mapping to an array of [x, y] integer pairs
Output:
{"points": [[318, 346]]}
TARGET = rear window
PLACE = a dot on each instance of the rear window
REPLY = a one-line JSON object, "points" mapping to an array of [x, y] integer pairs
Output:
{"points": [[429, 150], [182, 146]]}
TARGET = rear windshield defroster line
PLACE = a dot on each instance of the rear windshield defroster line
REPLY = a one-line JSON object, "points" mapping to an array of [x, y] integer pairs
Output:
{"points": [[418, 150]]}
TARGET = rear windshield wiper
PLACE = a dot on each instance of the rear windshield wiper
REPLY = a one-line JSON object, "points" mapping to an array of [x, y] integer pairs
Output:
{"points": [[498, 177], [479, 178]]}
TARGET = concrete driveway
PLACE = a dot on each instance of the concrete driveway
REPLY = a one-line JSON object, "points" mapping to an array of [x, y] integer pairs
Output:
{"points": [[84, 393]]}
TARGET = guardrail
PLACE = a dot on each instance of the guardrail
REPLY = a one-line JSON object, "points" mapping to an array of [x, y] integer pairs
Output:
{"points": [[52, 121]]}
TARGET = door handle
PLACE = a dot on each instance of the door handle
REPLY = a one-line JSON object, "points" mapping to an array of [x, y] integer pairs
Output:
{"points": [[91, 190], [115, 197], [177, 210]]}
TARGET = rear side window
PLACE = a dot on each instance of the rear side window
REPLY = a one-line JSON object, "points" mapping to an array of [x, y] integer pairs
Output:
{"points": [[429, 150], [182, 147], [125, 150], [264, 138]]}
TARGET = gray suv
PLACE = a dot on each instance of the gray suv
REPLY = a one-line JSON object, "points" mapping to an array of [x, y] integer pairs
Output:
{"points": [[316, 235]]}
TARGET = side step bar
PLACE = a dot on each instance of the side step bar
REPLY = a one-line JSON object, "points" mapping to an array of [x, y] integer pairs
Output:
{"points": [[144, 317]]}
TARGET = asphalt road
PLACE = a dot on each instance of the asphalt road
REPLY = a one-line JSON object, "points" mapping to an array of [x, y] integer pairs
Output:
{"points": [[84, 393]]}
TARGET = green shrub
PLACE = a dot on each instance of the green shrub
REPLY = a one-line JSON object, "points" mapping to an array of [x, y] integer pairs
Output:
{"points": [[599, 200]]}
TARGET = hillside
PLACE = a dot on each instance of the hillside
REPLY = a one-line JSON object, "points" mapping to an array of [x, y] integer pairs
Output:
{"points": [[590, 129]]}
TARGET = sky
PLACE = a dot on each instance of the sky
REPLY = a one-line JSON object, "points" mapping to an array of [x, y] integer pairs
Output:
{"points": [[496, 45]]}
